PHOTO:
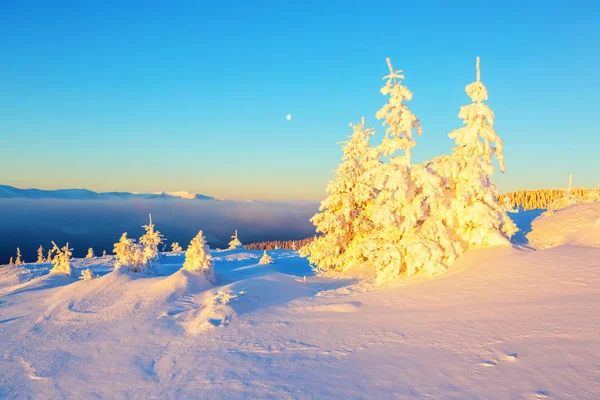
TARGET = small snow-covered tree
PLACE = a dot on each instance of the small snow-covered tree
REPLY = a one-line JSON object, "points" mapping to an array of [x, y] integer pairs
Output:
{"points": [[61, 260], [40, 255], [476, 215], [18, 260], [86, 275], [49, 258], [130, 255], [235, 242], [150, 241], [198, 258], [266, 259], [176, 247], [103, 253], [90, 253], [341, 215], [11, 262]]}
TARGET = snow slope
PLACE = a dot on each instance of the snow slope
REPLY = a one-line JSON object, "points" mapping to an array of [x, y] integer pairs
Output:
{"points": [[501, 324], [578, 224]]}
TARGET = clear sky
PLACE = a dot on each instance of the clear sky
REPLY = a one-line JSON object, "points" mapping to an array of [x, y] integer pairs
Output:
{"points": [[152, 96]]}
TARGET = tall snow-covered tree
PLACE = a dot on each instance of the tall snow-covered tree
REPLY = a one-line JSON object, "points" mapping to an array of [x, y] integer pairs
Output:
{"points": [[61, 260], [90, 253], [235, 242], [341, 215], [198, 258], [476, 215], [406, 235], [18, 260], [150, 241], [265, 259], [175, 246], [40, 255]]}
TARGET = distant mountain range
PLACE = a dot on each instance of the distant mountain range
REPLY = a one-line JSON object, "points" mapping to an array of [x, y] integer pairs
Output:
{"points": [[9, 192]]}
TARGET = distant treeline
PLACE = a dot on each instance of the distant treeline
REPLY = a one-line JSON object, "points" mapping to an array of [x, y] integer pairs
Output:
{"points": [[542, 198], [279, 244]]}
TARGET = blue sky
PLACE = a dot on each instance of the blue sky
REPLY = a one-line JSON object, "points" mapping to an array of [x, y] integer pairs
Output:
{"points": [[153, 95]]}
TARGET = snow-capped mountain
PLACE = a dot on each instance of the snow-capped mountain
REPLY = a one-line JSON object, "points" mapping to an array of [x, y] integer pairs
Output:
{"points": [[9, 192]]}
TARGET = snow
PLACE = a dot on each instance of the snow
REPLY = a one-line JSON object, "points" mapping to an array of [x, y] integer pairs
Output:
{"points": [[577, 224], [502, 323]]}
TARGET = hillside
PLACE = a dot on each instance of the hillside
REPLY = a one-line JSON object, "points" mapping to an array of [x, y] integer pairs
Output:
{"points": [[9, 192], [507, 323]]}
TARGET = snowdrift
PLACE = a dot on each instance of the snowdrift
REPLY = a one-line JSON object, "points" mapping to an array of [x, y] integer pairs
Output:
{"points": [[578, 224]]}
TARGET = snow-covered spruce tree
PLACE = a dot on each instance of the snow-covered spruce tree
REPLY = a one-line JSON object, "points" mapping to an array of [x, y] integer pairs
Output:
{"points": [[266, 259], [408, 234], [18, 260], [130, 255], [103, 253], [40, 255], [150, 241], [341, 215], [476, 215], [11, 262], [49, 258], [61, 260], [175, 246], [90, 253], [235, 242], [198, 258]]}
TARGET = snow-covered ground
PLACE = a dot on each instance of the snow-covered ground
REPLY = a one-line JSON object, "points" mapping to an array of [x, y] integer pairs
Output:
{"points": [[503, 323]]}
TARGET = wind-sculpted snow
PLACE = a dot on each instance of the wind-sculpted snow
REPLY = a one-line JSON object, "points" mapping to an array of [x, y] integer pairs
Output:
{"points": [[578, 224], [502, 323]]}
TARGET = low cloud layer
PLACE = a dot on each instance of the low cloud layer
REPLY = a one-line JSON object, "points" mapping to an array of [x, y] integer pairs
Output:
{"points": [[27, 223]]}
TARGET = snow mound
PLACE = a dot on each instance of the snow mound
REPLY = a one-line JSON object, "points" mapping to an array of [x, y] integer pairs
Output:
{"points": [[578, 224], [117, 296]]}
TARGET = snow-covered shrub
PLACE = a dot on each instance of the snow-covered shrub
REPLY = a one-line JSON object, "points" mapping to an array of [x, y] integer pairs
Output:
{"points": [[130, 255], [18, 260], [175, 246], [90, 253], [198, 258], [40, 255], [266, 259], [87, 275], [150, 241], [235, 242], [61, 260]]}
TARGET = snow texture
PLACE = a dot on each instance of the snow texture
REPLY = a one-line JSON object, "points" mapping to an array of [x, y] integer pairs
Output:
{"points": [[503, 323]]}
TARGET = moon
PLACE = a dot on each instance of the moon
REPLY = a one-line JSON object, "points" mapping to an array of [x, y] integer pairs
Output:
{"points": [[288, 117]]}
